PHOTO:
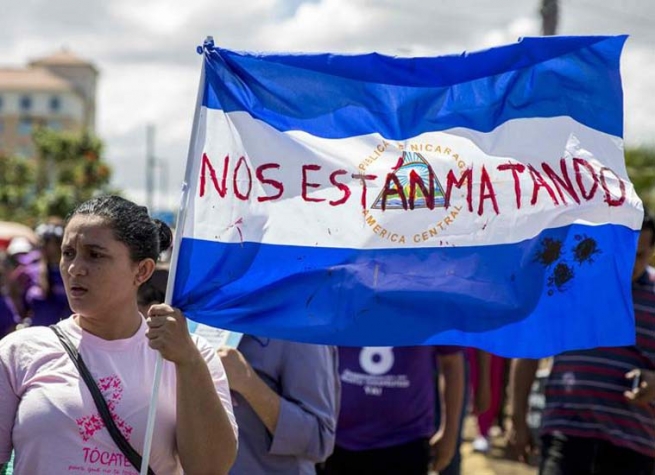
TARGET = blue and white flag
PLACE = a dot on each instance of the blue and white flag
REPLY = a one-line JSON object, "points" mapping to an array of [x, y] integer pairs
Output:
{"points": [[479, 200]]}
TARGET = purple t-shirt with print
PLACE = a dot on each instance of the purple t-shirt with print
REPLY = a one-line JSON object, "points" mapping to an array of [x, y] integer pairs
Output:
{"points": [[388, 395]]}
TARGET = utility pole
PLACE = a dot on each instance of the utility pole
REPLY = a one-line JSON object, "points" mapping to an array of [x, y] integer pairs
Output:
{"points": [[150, 166], [549, 15], [163, 185]]}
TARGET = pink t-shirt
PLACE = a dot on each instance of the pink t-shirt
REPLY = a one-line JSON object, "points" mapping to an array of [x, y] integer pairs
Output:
{"points": [[48, 416]]}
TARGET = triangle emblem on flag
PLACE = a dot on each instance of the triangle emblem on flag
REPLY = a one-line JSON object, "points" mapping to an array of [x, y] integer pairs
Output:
{"points": [[415, 176]]}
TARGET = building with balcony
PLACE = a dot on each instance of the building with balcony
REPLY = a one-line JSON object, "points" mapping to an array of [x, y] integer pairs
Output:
{"points": [[57, 91]]}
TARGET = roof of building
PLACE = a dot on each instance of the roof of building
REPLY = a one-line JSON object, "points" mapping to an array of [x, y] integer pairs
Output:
{"points": [[32, 79], [62, 57]]}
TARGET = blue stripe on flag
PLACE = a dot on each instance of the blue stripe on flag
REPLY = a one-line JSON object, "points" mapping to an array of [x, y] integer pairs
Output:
{"points": [[341, 96], [511, 299]]}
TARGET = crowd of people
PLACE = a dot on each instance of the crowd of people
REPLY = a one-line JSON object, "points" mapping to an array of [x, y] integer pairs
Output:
{"points": [[82, 309]]}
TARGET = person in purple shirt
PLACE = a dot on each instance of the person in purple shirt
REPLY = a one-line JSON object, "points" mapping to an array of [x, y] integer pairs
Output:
{"points": [[8, 316], [285, 398], [22, 272], [386, 423], [46, 299]]}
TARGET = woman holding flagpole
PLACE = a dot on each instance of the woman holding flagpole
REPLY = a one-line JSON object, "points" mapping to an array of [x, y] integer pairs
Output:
{"points": [[74, 397]]}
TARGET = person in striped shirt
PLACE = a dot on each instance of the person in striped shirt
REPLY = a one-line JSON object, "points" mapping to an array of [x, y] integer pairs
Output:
{"points": [[599, 417]]}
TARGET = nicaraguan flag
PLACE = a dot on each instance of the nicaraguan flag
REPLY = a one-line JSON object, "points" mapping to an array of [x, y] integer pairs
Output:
{"points": [[478, 200]]}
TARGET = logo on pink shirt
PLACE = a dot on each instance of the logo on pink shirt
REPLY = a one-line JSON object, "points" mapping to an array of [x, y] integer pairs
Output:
{"points": [[111, 388]]}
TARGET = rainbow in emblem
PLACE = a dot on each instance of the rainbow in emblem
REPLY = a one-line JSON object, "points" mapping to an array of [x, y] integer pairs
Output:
{"points": [[415, 177]]}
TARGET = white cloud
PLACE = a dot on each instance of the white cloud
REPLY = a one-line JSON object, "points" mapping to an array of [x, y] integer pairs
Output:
{"points": [[134, 97], [154, 16], [519, 28], [639, 95], [319, 26]]}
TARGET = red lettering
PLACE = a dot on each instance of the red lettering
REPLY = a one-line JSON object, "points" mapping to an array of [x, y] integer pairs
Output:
{"points": [[363, 179], [343, 187], [515, 168], [561, 181], [416, 180], [608, 195], [486, 192], [306, 185], [396, 190], [451, 180], [207, 164], [539, 183], [268, 181], [581, 162], [235, 181]]}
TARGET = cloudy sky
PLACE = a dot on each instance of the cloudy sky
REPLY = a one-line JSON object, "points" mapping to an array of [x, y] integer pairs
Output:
{"points": [[145, 51]]}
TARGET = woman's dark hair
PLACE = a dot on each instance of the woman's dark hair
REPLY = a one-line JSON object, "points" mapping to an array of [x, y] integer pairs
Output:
{"points": [[51, 229], [145, 237], [154, 289], [648, 223]]}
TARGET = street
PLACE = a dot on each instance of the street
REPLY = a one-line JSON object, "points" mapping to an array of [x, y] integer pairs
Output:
{"points": [[495, 462]]}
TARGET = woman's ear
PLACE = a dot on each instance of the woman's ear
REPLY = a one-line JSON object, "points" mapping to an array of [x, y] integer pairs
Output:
{"points": [[145, 269]]}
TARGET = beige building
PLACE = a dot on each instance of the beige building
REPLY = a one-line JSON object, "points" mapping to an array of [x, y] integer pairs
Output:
{"points": [[58, 91]]}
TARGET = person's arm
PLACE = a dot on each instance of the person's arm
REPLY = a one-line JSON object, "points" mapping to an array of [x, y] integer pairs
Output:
{"points": [[206, 442], [245, 381], [444, 442], [302, 419], [643, 390], [205, 437], [483, 392], [522, 376]]}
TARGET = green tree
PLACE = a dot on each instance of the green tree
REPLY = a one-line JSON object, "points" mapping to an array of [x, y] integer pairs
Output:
{"points": [[70, 170], [640, 163], [17, 191], [67, 170]]}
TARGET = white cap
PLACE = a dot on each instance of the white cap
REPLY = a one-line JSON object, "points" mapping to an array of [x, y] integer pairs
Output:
{"points": [[19, 245]]}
